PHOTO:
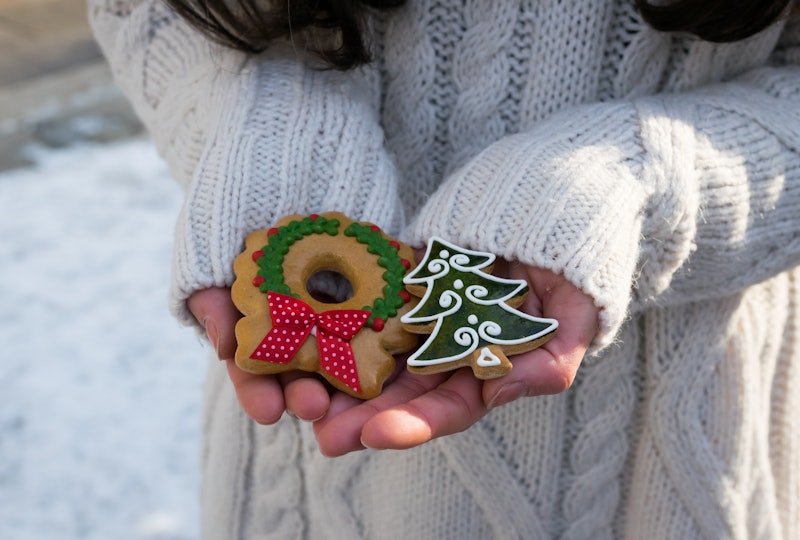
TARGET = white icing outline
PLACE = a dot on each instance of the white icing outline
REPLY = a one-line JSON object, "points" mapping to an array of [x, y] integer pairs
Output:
{"points": [[410, 279], [488, 358], [474, 293]]}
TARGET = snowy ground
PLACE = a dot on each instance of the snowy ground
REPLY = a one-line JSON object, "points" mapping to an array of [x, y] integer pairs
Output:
{"points": [[99, 387]]}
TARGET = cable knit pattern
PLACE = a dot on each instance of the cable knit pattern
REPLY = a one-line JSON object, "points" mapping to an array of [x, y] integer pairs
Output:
{"points": [[658, 173], [481, 57], [784, 423], [412, 88], [234, 506], [604, 403], [707, 437]]}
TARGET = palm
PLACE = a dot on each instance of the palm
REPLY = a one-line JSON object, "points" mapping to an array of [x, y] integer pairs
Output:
{"points": [[414, 409]]}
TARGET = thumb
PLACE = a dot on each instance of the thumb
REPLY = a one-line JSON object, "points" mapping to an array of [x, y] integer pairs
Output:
{"points": [[215, 312]]}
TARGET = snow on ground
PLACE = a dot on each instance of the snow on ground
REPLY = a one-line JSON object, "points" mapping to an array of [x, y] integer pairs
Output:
{"points": [[99, 386]]}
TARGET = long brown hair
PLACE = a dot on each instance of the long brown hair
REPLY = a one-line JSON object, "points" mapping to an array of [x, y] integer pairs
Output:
{"points": [[713, 20], [337, 26]]}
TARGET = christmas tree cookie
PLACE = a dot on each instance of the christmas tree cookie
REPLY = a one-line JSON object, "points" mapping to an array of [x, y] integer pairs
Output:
{"points": [[469, 313]]}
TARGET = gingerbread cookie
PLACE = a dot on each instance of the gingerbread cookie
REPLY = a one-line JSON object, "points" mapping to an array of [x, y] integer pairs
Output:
{"points": [[469, 314], [323, 294]]}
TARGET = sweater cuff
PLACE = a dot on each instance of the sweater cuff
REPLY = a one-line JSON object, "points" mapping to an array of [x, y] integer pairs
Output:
{"points": [[288, 140], [565, 197]]}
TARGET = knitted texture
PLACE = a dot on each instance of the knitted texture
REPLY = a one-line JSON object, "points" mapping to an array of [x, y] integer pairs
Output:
{"points": [[659, 174]]}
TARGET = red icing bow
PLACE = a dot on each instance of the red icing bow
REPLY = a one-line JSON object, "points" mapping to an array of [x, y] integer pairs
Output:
{"points": [[292, 322]]}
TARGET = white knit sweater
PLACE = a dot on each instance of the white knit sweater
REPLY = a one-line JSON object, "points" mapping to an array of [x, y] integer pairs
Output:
{"points": [[658, 173]]}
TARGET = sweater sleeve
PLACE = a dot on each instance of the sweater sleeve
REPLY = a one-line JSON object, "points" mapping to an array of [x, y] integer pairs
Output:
{"points": [[251, 138], [650, 201]]}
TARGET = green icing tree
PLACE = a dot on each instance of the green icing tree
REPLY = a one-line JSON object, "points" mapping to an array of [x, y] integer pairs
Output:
{"points": [[469, 313]]}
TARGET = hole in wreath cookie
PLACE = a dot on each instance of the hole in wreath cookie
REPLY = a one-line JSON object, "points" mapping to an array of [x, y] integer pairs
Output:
{"points": [[329, 287]]}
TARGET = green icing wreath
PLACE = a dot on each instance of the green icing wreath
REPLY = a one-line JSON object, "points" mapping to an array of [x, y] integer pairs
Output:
{"points": [[270, 258]]}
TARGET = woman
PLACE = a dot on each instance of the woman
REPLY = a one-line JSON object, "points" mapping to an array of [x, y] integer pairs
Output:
{"points": [[646, 183]]}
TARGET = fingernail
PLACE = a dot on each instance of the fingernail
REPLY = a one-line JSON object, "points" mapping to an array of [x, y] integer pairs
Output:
{"points": [[508, 393], [366, 446], [213, 335], [300, 418]]}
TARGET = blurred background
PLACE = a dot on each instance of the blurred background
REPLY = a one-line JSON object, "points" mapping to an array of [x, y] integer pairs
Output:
{"points": [[99, 386]]}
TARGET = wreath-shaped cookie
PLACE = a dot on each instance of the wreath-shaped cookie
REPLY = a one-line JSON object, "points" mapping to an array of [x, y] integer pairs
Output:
{"points": [[323, 294]]}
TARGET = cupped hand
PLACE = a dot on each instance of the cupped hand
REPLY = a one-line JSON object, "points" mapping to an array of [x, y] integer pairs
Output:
{"points": [[262, 397], [414, 409]]}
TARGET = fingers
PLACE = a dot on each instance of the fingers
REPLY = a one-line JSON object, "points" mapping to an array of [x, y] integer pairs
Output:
{"points": [[306, 397], [450, 408], [412, 411], [536, 373], [264, 398], [214, 310], [415, 409], [552, 368], [260, 396], [340, 431]]}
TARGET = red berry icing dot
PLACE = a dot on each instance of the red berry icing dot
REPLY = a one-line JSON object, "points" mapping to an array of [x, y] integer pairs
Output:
{"points": [[258, 280], [377, 324], [405, 263], [257, 255], [404, 296], [313, 217], [394, 244], [374, 228], [273, 230]]}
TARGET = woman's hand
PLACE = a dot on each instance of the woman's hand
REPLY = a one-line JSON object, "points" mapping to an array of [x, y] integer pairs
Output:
{"points": [[262, 397], [414, 409]]}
